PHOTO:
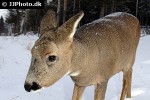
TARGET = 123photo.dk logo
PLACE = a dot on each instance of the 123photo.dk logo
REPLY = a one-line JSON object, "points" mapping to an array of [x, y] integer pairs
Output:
{"points": [[22, 4]]}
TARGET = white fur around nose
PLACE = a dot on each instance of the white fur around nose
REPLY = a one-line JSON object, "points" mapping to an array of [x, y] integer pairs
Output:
{"points": [[32, 91]]}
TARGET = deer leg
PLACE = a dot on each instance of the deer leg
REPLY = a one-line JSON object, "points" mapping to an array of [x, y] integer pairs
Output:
{"points": [[100, 90], [129, 81], [78, 92], [126, 90]]}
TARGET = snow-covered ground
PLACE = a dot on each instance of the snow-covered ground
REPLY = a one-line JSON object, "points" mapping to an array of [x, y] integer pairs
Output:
{"points": [[15, 60]]}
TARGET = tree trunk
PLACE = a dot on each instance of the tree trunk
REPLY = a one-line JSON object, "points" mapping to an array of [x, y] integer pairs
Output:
{"points": [[137, 7], [105, 9], [58, 12], [102, 10], [65, 10], [74, 6], [80, 23], [79, 5], [26, 21], [17, 23], [113, 6], [146, 26]]}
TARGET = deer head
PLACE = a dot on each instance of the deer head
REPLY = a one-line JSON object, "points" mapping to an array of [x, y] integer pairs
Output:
{"points": [[52, 52]]}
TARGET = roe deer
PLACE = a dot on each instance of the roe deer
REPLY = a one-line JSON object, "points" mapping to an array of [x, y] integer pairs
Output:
{"points": [[91, 55]]}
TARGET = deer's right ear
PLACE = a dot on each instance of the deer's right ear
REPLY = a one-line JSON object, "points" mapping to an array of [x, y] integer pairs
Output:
{"points": [[68, 29], [48, 22]]}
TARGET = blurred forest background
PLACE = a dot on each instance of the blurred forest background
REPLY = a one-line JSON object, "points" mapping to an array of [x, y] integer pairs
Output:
{"points": [[27, 21]]}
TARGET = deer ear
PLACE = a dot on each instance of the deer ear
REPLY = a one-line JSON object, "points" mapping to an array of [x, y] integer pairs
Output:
{"points": [[68, 29], [48, 22]]}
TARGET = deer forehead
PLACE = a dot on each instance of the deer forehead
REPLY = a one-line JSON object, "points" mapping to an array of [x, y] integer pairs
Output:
{"points": [[45, 47]]}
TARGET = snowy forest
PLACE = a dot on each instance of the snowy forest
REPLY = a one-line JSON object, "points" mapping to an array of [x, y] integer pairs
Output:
{"points": [[22, 21]]}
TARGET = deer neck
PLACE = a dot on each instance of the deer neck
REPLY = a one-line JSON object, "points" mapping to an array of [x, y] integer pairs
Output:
{"points": [[79, 51]]}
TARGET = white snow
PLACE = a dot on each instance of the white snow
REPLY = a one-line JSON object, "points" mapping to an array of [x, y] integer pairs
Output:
{"points": [[114, 14], [15, 61], [146, 62], [3, 12]]}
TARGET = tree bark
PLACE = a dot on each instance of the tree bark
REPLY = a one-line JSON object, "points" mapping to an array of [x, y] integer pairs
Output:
{"points": [[105, 9], [17, 24], [113, 6], [79, 5], [65, 10], [58, 12], [80, 23], [74, 6], [137, 7], [102, 10]]}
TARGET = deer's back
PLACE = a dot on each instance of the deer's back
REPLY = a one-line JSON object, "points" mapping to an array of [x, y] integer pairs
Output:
{"points": [[110, 41]]}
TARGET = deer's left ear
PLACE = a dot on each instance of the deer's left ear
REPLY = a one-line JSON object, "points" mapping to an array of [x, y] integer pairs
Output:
{"points": [[68, 29], [48, 22]]}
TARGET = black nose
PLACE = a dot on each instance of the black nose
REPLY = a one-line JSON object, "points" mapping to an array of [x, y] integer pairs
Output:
{"points": [[34, 86], [27, 87]]}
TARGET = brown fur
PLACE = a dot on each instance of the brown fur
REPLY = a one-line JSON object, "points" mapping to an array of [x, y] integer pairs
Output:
{"points": [[92, 56]]}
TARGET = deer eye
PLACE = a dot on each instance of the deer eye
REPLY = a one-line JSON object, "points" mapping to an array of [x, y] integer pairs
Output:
{"points": [[51, 58]]}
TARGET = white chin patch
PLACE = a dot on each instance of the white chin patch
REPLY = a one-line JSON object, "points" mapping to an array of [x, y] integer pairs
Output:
{"points": [[75, 73], [36, 91]]}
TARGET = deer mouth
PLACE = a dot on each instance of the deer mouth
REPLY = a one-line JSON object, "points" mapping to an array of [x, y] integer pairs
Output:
{"points": [[34, 86]]}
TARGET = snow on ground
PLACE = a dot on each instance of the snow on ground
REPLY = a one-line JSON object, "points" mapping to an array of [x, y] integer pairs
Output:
{"points": [[15, 60]]}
